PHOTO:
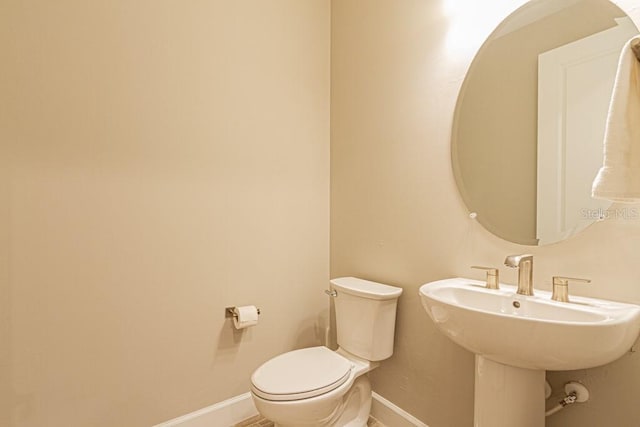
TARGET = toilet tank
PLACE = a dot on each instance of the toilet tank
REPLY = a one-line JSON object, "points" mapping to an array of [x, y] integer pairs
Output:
{"points": [[365, 317]]}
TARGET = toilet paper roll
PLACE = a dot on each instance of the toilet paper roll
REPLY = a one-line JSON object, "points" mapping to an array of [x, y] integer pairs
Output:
{"points": [[245, 316]]}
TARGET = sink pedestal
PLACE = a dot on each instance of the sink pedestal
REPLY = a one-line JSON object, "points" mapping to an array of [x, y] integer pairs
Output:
{"points": [[506, 396]]}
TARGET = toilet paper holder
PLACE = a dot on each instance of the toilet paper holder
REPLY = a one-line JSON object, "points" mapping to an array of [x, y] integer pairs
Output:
{"points": [[230, 312]]}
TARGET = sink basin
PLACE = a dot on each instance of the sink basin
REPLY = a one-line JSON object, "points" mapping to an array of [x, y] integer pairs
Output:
{"points": [[531, 332]]}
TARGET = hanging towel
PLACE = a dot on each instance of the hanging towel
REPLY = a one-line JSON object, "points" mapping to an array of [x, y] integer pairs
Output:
{"points": [[619, 178]]}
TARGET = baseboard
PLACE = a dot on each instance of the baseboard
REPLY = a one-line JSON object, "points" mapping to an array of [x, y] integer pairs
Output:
{"points": [[391, 415], [239, 408], [225, 413]]}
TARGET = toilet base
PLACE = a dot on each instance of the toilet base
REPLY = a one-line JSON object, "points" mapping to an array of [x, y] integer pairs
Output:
{"points": [[357, 404], [352, 410]]}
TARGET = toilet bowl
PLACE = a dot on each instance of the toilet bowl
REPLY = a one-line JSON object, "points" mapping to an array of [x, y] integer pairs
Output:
{"points": [[318, 387]]}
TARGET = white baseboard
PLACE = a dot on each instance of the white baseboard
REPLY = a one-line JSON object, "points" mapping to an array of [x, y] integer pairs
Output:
{"points": [[223, 414], [391, 415], [239, 408]]}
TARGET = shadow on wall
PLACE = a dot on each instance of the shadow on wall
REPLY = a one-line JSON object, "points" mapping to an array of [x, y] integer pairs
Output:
{"points": [[314, 331], [229, 339]]}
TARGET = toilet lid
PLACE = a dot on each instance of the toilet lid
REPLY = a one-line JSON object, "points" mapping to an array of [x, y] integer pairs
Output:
{"points": [[301, 374]]}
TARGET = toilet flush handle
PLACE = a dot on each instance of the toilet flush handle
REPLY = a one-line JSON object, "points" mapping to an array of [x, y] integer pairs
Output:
{"points": [[331, 292]]}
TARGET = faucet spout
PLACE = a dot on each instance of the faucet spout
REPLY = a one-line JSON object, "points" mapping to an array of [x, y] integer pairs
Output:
{"points": [[524, 264]]}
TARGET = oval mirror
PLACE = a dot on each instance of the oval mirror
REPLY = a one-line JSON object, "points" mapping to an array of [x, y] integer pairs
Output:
{"points": [[529, 122]]}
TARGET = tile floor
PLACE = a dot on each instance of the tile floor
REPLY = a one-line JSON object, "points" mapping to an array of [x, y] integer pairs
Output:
{"points": [[259, 421]]}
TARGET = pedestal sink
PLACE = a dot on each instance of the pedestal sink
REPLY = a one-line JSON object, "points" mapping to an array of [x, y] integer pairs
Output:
{"points": [[516, 338]]}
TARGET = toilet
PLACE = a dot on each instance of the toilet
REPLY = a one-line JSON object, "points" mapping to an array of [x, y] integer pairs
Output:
{"points": [[318, 387]]}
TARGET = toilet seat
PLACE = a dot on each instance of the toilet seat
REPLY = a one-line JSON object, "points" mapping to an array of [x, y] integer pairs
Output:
{"points": [[301, 374]]}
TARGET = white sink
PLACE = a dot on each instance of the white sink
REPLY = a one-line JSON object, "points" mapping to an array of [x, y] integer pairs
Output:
{"points": [[531, 332]]}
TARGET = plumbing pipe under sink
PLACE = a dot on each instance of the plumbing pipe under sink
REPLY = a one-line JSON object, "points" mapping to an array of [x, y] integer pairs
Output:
{"points": [[576, 393]]}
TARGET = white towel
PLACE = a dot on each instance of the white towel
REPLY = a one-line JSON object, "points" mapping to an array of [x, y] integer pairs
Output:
{"points": [[619, 178]]}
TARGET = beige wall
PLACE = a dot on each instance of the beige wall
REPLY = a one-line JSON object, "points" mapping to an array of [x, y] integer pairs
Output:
{"points": [[397, 217], [167, 159]]}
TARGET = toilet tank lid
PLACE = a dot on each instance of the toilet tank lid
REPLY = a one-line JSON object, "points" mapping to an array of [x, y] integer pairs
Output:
{"points": [[365, 288]]}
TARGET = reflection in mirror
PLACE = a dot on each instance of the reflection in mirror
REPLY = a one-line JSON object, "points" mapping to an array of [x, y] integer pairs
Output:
{"points": [[529, 123]]}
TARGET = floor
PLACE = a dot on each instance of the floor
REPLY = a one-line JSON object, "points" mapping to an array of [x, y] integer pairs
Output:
{"points": [[259, 421]]}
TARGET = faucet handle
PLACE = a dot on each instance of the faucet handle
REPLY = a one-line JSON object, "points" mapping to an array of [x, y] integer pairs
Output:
{"points": [[561, 287], [493, 276]]}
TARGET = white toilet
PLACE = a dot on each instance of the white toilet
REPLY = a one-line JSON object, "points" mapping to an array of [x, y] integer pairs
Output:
{"points": [[316, 387]]}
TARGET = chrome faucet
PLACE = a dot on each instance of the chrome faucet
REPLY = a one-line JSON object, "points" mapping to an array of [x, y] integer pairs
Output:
{"points": [[524, 264]]}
